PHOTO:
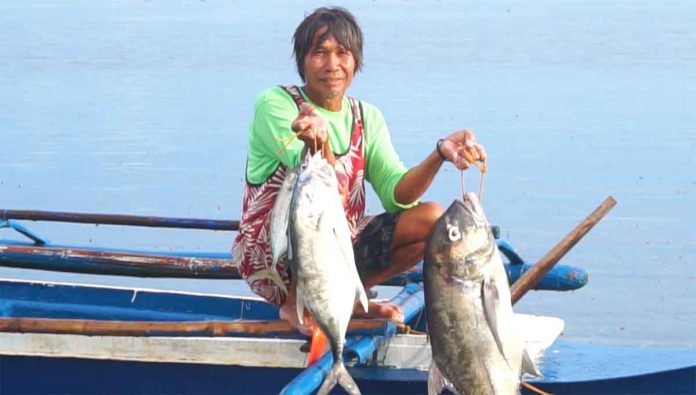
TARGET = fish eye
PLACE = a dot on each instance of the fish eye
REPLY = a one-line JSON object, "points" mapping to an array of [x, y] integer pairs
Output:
{"points": [[454, 233]]}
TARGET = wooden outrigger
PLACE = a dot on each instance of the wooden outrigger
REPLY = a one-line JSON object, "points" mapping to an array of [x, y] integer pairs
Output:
{"points": [[58, 337]]}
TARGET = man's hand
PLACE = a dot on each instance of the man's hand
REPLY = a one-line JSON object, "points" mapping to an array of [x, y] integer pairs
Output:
{"points": [[288, 311], [311, 127], [462, 150]]}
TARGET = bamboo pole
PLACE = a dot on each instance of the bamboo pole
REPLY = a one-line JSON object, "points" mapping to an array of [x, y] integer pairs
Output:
{"points": [[83, 260], [529, 279], [160, 328], [117, 219]]}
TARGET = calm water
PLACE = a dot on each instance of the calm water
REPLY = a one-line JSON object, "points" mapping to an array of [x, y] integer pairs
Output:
{"points": [[141, 107]]}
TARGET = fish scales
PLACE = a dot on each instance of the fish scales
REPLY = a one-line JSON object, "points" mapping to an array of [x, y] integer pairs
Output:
{"points": [[280, 216]]}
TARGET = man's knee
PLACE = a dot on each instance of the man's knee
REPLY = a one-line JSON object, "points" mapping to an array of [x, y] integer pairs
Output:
{"points": [[419, 221], [432, 211]]}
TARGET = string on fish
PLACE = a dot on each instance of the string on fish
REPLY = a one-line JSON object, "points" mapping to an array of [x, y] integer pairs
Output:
{"points": [[483, 169], [481, 187], [461, 176], [288, 140], [461, 183], [286, 143], [534, 389], [315, 140]]}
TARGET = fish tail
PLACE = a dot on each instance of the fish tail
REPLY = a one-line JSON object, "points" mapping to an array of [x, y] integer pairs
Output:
{"points": [[318, 345], [339, 375]]}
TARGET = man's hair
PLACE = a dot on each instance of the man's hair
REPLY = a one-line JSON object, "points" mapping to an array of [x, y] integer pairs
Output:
{"points": [[340, 23]]}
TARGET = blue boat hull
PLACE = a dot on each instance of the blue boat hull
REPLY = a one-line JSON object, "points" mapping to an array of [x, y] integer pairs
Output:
{"points": [[567, 368], [36, 375]]}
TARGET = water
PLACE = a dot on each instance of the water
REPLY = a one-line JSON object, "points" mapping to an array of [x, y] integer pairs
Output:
{"points": [[141, 107]]}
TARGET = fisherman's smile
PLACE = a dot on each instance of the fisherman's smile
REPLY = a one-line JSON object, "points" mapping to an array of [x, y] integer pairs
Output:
{"points": [[332, 81]]}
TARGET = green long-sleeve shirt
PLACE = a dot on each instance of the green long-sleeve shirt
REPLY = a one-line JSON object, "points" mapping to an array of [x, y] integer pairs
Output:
{"points": [[270, 129]]}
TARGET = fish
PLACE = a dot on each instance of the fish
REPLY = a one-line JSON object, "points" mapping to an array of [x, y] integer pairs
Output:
{"points": [[475, 346], [323, 264], [280, 216]]}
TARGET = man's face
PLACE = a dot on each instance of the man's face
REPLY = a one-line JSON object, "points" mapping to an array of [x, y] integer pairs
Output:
{"points": [[329, 68]]}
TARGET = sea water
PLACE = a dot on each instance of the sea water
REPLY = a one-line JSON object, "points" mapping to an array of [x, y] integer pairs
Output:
{"points": [[142, 107]]}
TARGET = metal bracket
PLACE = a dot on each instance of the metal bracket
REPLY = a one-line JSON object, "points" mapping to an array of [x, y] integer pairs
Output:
{"points": [[509, 253], [38, 240]]}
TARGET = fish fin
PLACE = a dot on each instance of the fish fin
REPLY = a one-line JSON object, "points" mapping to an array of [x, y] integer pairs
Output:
{"points": [[289, 249], [437, 381], [491, 300], [299, 305], [318, 345], [339, 375], [342, 236], [528, 365], [361, 295]]}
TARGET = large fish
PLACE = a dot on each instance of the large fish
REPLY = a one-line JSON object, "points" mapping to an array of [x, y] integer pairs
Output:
{"points": [[322, 261], [475, 347]]}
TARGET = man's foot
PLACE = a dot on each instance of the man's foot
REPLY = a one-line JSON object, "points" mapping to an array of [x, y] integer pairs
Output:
{"points": [[288, 312], [381, 310]]}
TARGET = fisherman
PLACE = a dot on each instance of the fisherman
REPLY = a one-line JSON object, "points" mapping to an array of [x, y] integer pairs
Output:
{"points": [[353, 136]]}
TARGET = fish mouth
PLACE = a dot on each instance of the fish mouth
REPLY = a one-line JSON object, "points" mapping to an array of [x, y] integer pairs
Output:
{"points": [[315, 169], [470, 210]]}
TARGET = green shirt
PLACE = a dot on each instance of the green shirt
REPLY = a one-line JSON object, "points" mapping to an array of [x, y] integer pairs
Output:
{"points": [[270, 131]]}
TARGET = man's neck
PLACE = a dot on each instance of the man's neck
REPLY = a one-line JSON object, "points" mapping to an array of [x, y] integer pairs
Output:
{"points": [[333, 103]]}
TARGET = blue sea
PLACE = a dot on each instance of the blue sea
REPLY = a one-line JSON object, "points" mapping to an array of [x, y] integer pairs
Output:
{"points": [[141, 107]]}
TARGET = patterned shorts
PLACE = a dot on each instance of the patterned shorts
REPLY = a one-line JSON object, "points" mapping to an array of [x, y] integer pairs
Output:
{"points": [[373, 247]]}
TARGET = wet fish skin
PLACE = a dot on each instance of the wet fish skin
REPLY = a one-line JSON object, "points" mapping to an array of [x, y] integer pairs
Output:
{"points": [[328, 284], [474, 345], [280, 215]]}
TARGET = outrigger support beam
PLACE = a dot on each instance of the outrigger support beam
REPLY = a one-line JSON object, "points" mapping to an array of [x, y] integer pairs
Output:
{"points": [[116, 219], [38, 240]]}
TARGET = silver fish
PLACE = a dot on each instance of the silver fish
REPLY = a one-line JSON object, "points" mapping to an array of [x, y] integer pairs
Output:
{"points": [[280, 214], [328, 284], [476, 348]]}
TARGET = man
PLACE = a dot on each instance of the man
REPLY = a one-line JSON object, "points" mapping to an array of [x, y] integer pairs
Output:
{"points": [[354, 138]]}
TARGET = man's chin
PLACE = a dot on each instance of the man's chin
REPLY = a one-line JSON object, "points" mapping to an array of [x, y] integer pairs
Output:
{"points": [[332, 94]]}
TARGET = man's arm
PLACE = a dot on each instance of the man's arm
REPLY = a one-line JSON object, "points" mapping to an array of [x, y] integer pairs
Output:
{"points": [[460, 148], [417, 179]]}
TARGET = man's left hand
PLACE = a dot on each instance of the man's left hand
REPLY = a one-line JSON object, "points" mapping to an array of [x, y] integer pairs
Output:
{"points": [[462, 149]]}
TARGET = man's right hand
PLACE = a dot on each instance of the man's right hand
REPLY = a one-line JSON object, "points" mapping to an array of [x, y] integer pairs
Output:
{"points": [[311, 127]]}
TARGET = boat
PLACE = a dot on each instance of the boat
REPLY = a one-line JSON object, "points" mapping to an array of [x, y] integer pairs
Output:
{"points": [[62, 337]]}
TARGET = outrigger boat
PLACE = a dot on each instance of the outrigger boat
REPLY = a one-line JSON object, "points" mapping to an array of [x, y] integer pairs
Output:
{"points": [[69, 338]]}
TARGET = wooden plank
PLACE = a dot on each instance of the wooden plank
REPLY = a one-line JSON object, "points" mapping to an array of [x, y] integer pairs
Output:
{"points": [[400, 351], [529, 279], [170, 328], [283, 353]]}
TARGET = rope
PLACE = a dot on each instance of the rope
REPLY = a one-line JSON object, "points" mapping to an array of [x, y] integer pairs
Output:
{"points": [[534, 389]]}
